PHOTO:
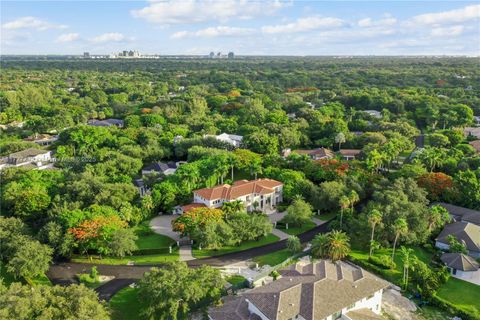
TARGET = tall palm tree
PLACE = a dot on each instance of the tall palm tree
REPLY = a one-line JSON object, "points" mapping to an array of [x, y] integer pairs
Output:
{"points": [[318, 245], [344, 203], [255, 167], [353, 197], [400, 228], [374, 218], [407, 257], [338, 245], [232, 162], [340, 138]]}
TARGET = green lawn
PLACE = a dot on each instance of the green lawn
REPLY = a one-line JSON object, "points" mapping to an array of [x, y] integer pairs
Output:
{"points": [[125, 304], [8, 278], [326, 216], [298, 230], [205, 253], [235, 279], [432, 313], [463, 294], [274, 258], [154, 241], [145, 259]]}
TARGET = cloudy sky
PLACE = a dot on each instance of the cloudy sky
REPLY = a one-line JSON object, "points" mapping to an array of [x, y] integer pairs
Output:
{"points": [[255, 27]]}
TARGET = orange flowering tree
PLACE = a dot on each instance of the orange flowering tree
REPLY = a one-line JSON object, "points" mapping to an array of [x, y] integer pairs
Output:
{"points": [[197, 217], [94, 234], [438, 185], [330, 169]]}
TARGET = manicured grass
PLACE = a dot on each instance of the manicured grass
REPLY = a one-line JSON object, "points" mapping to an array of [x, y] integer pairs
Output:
{"points": [[125, 304], [432, 313], [463, 294], [274, 258], [146, 259], [326, 216], [43, 279], [235, 279], [154, 241], [298, 230], [205, 253]]}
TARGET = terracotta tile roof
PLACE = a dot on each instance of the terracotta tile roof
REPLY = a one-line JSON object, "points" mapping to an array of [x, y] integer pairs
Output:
{"points": [[239, 189], [191, 206], [350, 152]]}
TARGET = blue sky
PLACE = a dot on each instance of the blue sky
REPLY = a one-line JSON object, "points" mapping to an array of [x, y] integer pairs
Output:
{"points": [[269, 27]]}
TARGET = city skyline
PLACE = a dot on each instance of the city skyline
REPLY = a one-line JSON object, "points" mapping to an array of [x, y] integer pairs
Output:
{"points": [[244, 27]]}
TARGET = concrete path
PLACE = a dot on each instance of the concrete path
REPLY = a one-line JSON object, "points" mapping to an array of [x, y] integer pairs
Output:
{"points": [[282, 235], [163, 225], [185, 253], [277, 216], [318, 222]]}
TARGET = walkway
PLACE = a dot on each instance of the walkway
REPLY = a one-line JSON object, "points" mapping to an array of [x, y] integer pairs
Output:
{"points": [[163, 225], [185, 253]]}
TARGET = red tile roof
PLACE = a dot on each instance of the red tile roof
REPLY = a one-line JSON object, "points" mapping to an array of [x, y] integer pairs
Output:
{"points": [[238, 189], [191, 206]]}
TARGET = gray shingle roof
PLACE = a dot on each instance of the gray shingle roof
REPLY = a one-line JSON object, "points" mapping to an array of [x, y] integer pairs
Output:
{"points": [[314, 291], [461, 213], [459, 261], [464, 232], [160, 166], [27, 153]]}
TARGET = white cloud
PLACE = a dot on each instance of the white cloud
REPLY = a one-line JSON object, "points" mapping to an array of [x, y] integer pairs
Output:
{"points": [[304, 25], [195, 11], [111, 37], [31, 23], [68, 37], [211, 32], [447, 31], [452, 16], [368, 22]]}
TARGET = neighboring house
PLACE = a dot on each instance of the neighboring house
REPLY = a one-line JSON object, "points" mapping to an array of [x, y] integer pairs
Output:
{"points": [[462, 266], [162, 167], [458, 213], [373, 113], [262, 194], [465, 232], [106, 123], [349, 154], [316, 154], [35, 158], [233, 139], [322, 290], [42, 139], [476, 119], [476, 145], [472, 131], [143, 190], [188, 207]]}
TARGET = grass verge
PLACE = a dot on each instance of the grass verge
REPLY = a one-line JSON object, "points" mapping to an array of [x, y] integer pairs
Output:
{"points": [[126, 305], [274, 258]]}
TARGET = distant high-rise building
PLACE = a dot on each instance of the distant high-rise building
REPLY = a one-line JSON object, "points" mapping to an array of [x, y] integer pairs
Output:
{"points": [[231, 55], [212, 55], [86, 55]]}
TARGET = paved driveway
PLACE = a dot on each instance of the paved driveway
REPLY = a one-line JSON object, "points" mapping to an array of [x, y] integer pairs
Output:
{"points": [[163, 225]]}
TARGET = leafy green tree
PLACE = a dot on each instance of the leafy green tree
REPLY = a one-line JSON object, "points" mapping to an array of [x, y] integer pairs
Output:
{"points": [[374, 218], [175, 290], [455, 245], [298, 213], [122, 242], [400, 228], [407, 259], [31, 259]]}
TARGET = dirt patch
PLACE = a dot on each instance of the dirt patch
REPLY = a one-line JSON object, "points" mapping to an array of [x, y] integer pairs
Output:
{"points": [[397, 306]]}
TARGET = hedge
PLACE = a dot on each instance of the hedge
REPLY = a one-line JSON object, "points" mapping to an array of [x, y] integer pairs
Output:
{"points": [[453, 309]]}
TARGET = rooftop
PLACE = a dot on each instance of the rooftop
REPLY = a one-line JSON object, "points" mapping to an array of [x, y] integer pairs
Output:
{"points": [[320, 152], [461, 213], [459, 261], [160, 166], [238, 189], [27, 153], [466, 232]]}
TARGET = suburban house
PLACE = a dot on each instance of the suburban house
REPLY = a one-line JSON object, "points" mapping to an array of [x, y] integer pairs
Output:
{"points": [[262, 194], [476, 145], [462, 266], [143, 190], [465, 232], [316, 154], [188, 207], [476, 119], [472, 132], [42, 139], [458, 213], [233, 139], [106, 123], [162, 167], [310, 291], [349, 154], [37, 158], [373, 113]]}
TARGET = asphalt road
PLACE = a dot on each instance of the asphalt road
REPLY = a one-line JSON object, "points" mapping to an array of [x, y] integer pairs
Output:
{"points": [[65, 273]]}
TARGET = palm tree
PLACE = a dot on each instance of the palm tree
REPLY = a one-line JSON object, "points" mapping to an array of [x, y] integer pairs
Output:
{"points": [[407, 257], [353, 197], [232, 161], [318, 245], [340, 138], [374, 218], [232, 207], [255, 167], [344, 204], [337, 245], [437, 216], [400, 227]]}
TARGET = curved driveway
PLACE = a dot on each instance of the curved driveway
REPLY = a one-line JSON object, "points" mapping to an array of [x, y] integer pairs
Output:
{"points": [[64, 273]]}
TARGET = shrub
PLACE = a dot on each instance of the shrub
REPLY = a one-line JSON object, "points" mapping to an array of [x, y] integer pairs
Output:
{"points": [[383, 262]]}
